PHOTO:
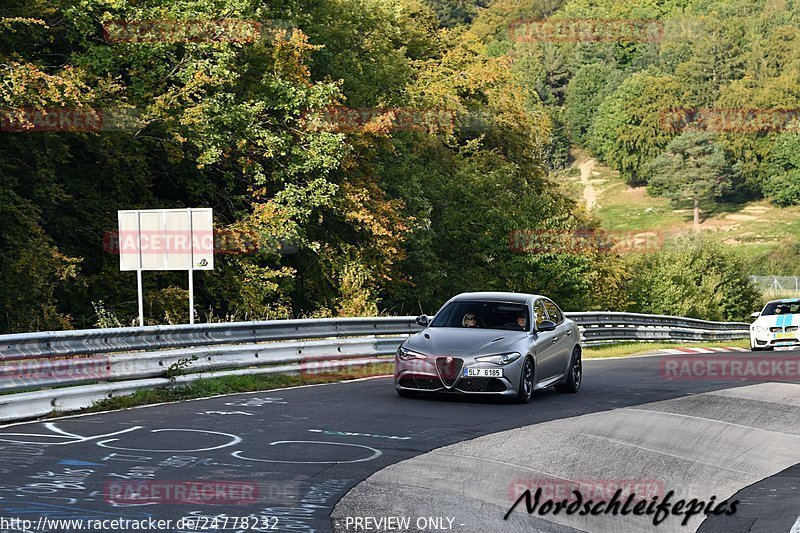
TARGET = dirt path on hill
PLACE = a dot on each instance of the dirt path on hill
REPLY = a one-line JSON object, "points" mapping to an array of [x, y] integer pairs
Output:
{"points": [[589, 192]]}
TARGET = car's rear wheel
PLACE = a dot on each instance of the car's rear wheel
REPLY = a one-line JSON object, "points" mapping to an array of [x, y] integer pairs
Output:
{"points": [[574, 374], [525, 391]]}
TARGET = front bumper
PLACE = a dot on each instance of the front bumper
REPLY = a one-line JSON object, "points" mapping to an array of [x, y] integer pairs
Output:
{"points": [[425, 375], [773, 340]]}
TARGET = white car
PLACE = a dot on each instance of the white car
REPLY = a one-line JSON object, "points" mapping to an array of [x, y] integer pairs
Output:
{"points": [[776, 326]]}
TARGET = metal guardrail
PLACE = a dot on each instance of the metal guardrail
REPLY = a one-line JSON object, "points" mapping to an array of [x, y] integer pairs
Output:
{"points": [[91, 341], [612, 326], [609, 318], [312, 355], [122, 360]]}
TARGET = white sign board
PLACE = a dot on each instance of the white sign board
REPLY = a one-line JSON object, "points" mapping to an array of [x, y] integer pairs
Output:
{"points": [[166, 239]]}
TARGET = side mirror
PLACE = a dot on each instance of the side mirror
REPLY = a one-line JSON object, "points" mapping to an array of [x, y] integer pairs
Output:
{"points": [[755, 315], [546, 325], [422, 320]]}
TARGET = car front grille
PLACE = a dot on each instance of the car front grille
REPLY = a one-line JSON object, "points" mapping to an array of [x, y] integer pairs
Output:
{"points": [[421, 382], [449, 369], [481, 385], [778, 329]]}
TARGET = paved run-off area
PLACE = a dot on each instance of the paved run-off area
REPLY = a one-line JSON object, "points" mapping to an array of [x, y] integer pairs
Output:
{"points": [[699, 446]]}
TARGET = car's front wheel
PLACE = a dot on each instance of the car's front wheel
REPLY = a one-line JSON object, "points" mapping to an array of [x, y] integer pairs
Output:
{"points": [[525, 391], [574, 374]]}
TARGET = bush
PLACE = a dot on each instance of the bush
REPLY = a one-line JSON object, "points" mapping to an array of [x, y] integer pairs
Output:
{"points": [[782, 165], [694, 276], [784, 189]]}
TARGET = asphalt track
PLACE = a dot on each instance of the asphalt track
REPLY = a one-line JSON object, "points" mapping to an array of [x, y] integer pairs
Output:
{"points": [[317, 458]]}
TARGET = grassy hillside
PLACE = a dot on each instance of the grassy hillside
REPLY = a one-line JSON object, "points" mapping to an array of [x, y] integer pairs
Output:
{"points": [[766, 234]]}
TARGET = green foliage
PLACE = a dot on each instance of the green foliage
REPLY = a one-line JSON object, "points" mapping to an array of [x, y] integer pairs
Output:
{"points": [[784, 189], [713, 57], [628, 131], [383, 217], [586, 91], [169, 305], [692, 167], [453, 13], [781, 262], [179, 367], [32, 267], [105, 317], [783, 161], [695, 277]]}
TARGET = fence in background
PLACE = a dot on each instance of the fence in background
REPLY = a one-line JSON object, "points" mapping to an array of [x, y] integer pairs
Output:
{"points": [[778, 286]]}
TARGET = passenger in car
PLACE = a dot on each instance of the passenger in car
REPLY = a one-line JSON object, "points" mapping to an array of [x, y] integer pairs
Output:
{"points": [[470, 321]]}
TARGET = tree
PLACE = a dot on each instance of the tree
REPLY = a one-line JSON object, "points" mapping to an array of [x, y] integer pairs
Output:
{"points": [[456, 12], [692, 168], [715, 58], [629, 129], [783, 164], [586, 91]]}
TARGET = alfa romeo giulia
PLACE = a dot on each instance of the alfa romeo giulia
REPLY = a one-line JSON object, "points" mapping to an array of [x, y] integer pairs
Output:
{"points": [[492, 343]]}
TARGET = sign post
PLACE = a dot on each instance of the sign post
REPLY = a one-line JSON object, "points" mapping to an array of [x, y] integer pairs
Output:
{"points": [[166, 239], [140, 296], [191, 273]]}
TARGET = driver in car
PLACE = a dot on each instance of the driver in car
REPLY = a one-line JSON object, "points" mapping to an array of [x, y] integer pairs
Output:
{"points": [[520, 322], [470, 321]]}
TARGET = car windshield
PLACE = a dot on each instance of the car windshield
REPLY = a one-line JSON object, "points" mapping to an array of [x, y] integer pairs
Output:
{"points": [[782, 308], [486, 315]]}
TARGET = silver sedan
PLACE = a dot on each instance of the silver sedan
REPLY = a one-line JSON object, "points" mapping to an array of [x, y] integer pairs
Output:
{"points": [[493, 343]]}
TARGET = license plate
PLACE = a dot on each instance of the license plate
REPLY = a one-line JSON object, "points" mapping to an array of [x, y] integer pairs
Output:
{"points": [[785, 335], [483, 372], [786, 348]]}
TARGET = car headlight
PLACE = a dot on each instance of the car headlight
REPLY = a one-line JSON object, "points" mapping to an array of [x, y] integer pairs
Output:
{"points": [[499, 359], [408, 355], [759, 329]]}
